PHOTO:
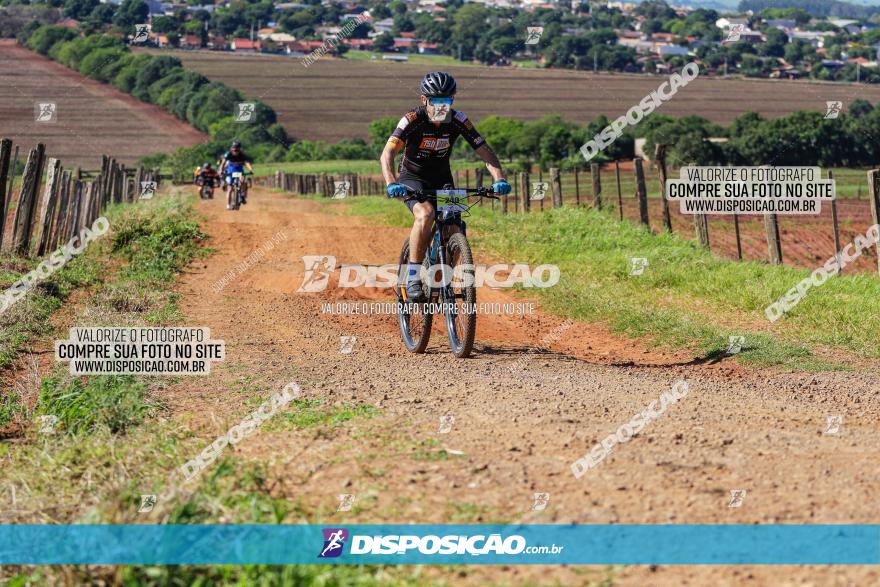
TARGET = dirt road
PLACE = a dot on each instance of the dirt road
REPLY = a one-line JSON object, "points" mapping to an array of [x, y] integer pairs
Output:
{"points": [[523, 411]]}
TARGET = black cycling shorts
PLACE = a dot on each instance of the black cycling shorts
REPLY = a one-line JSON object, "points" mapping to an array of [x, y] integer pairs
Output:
{"points": [[421, 184]]}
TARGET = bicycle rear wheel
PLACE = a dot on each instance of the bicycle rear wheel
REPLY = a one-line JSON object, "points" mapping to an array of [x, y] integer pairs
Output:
{"points": [[415, 319], [460, 307]]}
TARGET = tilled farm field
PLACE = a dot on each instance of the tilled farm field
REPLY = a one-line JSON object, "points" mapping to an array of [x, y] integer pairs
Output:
{"points": [[91, 118], [335, 99]]}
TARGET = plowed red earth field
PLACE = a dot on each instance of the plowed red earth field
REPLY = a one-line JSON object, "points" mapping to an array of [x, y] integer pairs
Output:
{"points": [[336, 99], [91, 118]]}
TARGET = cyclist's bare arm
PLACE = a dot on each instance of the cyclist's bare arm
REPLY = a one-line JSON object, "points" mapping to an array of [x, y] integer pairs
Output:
{"points": [[392, 148], [489, 157]]}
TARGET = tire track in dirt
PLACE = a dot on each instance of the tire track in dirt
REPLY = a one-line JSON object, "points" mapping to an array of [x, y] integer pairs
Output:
{"points": [[521, 417]]}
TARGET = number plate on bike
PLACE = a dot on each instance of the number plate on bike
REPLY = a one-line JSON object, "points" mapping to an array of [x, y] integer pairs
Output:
{"points": [[236, 174], [452, 201]]}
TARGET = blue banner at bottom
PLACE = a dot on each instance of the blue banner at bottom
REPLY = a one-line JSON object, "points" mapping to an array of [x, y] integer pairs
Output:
{"points": [[440, 544]]}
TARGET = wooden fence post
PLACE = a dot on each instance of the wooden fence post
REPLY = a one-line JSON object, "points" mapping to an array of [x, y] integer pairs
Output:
{"points": [[739, 247], [27, 201], [774, 245], [96, 196], [85, 214], [58, 221], [47, 205], [556, 185], [577, 187], [619, 191], [874, 197], [5, 153], [524, 193], [597, 185], [660, 157], [642, 193], [71, 227], [701, 224], [541, 180], [836, 226], [12, 171]]}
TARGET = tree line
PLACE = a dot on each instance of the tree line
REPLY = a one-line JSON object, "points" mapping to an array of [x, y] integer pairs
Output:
{"points": [[801, 138], [161, 80]]}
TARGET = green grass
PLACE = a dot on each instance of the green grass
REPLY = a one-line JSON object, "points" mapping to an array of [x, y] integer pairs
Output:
{"points": [[157, 241], [432, 60], [82, 405], [312, 413], [238, 493], [28, 318], [688, 298]]}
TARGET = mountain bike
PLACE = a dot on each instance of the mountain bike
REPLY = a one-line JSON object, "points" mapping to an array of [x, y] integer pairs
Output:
{"points": [[206, 189], [238, 194], [449, 264]]}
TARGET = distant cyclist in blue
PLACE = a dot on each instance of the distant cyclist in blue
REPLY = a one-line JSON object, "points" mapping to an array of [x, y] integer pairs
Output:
{"points": [[234, 161]]}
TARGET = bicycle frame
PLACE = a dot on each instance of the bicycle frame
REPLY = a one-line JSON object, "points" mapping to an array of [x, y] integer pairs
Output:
{"points": [[447, 215]]}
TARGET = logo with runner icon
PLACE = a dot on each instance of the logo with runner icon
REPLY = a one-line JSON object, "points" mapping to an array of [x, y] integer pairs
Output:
{"points": [[317, 272], [334, 540]]}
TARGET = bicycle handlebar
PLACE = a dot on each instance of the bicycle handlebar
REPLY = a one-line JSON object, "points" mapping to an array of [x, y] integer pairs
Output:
{"points": [[423, 195]]}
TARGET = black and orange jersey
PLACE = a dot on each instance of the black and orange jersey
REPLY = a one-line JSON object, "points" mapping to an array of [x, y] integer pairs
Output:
{"points": [[428, 145]]}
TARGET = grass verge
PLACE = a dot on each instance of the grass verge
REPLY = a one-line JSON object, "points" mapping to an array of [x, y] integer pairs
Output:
{"points": [[688, 298]]}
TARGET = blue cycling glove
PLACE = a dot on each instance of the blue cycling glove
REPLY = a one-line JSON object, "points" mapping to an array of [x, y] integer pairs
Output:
{"points": [[501, 187], [396, 190]]}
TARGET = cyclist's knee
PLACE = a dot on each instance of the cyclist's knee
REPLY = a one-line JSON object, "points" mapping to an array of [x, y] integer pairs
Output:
{"points": [[423, 212]]}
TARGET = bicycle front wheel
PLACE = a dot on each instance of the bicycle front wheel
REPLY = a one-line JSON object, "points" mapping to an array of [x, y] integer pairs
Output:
{"points": [[461, 294]]}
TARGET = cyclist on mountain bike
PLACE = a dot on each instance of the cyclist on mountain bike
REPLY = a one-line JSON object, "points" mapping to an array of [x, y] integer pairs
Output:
{"points": [[427, 135], [233, 161], [207, 175]]}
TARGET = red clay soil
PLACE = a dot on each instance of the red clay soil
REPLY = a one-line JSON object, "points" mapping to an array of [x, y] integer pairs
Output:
{"points": [[534, 397]]}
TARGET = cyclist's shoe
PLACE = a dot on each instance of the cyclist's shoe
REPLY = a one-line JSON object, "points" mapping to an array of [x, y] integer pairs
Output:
{"points": [[229, 207], [415, 293], [244, 199]]}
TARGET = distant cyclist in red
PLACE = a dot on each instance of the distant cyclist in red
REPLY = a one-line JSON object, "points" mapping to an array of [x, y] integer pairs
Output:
{"points": [[427, 135]]}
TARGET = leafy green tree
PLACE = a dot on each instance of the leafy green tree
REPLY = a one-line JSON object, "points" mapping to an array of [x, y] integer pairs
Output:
{"points": [[469, 26], [859, 108], [79, 9], [379, 131], [501, 134], [104, 64], [775, 44], [383, 42], [103, 14], [130, 13], [44, 38]]}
